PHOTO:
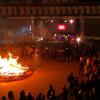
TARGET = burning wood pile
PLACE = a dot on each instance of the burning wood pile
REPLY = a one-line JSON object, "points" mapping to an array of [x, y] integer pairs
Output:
{"points": [[11, 70]]}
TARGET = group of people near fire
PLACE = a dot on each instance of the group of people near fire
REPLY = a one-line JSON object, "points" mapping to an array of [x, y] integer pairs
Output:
{"points": [[75, 89], [88, 65]]}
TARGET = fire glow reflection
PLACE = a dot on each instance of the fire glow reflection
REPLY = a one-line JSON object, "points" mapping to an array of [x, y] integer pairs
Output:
{"points": [[10, 67]]}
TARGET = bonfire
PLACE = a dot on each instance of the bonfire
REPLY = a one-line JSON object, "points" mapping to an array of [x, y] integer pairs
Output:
{"points": [[9, 66]]}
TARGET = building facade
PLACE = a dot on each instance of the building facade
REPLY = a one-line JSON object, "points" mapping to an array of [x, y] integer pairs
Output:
{"points": [[35, 10]]}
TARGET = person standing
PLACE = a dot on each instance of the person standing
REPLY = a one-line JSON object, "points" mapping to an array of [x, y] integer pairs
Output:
{"points": [[11, 95], [81, 65], [29, 96], [50, 93], [3, 98]]}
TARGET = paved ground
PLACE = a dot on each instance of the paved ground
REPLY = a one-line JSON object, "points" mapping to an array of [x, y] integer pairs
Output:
{"points": [[48, 72]]}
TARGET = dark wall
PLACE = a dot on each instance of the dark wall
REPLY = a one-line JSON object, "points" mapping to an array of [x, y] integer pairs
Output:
{"points": [[92, 27], [65, 1]]}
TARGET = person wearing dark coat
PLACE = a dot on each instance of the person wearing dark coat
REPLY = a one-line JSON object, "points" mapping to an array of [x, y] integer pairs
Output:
{"points": [[10, 95], [22, 95], [3, 98], [64, 94], [29, 96], [51, 92], [40, 97]]}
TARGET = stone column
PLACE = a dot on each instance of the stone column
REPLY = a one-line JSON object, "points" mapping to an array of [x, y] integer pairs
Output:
{"points": [[32, 28], [82, 27]]}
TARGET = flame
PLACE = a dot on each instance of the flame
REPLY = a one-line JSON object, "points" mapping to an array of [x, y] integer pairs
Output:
{"points": [[10, 67]]}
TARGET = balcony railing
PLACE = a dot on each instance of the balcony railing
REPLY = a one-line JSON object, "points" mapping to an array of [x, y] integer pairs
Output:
{"points": [[49, 10]]}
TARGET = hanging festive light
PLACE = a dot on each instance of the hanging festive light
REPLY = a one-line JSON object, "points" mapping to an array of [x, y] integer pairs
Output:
{"points": [[55, 34], [61, 27], [65, 21], [71, 21], [51, 21], [78, 39]]}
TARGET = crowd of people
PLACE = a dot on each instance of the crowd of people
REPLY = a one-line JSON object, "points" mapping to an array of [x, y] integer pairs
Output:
{"points": [[89, 65], [75, 89], [84, 88]]}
